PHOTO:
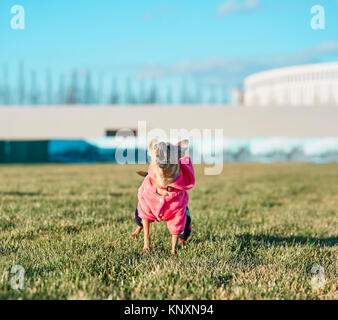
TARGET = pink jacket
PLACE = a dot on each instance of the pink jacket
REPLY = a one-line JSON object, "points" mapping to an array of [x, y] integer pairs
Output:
{"points": [[171, 208]]}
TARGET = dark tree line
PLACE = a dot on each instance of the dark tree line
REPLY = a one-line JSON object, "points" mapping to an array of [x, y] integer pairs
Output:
{"points": [[32, 88]]}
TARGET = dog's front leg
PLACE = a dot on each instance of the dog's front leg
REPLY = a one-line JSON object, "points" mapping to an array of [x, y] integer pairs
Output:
{"points": [[146, 228], [173, 244]]}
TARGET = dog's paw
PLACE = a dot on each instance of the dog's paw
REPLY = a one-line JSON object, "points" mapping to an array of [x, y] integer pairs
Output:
{"points": [[173, 252], [146, 250], [134, 235], [136, 232], [181, 243]]}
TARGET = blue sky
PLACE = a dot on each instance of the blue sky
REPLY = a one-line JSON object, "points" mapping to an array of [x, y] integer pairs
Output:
{"points": [[208, 41]]}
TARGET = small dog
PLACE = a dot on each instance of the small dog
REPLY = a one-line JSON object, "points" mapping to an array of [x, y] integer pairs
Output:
{"points": [[162, 195]]}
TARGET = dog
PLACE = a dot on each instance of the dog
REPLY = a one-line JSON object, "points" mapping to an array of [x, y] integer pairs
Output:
{"points": [[163, 194]]}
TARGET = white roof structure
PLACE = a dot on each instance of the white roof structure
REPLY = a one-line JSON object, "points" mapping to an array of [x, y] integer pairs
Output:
{"points": [[304, 85]]}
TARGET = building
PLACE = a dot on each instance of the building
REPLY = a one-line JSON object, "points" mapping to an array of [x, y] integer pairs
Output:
{"points": [[237, 97], [85, 133], [306, 85], [78, 122]]}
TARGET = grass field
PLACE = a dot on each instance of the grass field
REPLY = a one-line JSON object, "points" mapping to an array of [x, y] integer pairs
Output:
{"points": [[257, 230]]}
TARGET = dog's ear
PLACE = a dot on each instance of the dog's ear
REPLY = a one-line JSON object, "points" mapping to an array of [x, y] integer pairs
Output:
{"points": [[183, 144], [182, 147], [151, 144]]}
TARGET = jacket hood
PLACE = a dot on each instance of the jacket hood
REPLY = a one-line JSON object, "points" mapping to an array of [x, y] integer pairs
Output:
{"points": [[186, 180]]}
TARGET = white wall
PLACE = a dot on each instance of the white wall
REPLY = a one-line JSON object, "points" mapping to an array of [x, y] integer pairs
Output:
{"points": [[83, 121]]}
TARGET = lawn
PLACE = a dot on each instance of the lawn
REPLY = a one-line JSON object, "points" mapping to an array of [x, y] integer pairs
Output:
{"points": [[257, 230]]}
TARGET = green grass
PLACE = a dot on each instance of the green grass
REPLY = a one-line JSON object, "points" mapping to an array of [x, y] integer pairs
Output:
{"points": [[257, 230]]}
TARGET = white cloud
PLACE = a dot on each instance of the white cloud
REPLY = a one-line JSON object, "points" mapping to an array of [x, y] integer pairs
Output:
{"points": [[327, 47], [147, 16], [236, 6], [232, 70]]}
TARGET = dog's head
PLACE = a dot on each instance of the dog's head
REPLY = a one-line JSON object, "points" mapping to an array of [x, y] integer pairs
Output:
{"points": [[165, 155]]}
